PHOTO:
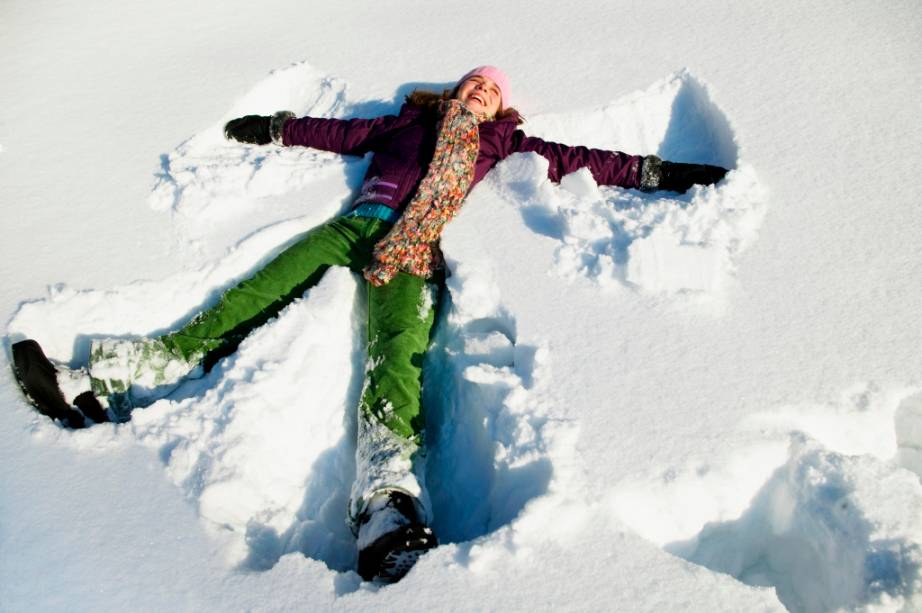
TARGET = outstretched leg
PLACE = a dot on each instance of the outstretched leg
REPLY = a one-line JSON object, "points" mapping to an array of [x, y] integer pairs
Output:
{"points": [[389, 504], [128, 373], [217, 331]]}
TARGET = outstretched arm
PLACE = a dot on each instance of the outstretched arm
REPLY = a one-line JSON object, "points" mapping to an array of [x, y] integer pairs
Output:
{"points": [[346, 136], [607, 167], [648, 173]]}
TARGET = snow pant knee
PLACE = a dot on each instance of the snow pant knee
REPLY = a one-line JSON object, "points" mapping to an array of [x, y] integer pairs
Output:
{"points": [[401, 315]]}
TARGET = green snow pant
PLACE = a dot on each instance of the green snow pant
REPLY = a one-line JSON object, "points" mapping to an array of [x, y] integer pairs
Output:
{"points": [[400, 318]]}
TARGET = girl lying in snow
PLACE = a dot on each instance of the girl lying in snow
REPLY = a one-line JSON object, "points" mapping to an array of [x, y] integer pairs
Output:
{"points": [[426, 160]]}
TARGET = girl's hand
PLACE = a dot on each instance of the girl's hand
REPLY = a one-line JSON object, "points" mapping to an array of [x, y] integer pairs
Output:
{"points": [[258, 129], [677, 176], [253, 129]]}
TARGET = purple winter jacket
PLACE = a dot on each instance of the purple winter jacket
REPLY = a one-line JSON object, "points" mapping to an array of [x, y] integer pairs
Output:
{"points": [[403, 146]]}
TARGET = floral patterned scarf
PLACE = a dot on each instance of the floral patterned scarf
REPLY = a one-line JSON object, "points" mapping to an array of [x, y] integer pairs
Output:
{"points": [[412, 244]]}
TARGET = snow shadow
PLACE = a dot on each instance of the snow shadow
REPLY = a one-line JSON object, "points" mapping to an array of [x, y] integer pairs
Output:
{"points": [[489, 448], [318, 529], [697, 130], [369, 109], [908, 425], [814, 500], [808, 535]]}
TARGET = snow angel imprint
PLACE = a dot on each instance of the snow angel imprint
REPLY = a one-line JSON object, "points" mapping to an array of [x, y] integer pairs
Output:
{"points": [[425, 161]]}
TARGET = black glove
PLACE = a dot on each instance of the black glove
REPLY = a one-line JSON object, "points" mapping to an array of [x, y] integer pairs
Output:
{"points": [[253, 129], [677, 176]]}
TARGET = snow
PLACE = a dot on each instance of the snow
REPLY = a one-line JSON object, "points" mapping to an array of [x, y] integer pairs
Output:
{"points": [[709, 401]]}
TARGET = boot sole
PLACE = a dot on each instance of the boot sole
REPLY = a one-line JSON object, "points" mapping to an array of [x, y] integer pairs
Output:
{"points": [[391, 557]]}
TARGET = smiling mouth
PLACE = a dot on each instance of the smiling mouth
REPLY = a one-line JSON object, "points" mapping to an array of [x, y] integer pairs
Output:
{"points": [[479, 99]]}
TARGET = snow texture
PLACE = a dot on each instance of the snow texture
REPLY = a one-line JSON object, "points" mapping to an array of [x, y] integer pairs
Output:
{"points": [[708, 401], [660, 242]]}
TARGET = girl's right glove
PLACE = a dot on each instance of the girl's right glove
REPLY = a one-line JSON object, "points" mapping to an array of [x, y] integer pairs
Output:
{"points": [[258, 129], [677, 176]]}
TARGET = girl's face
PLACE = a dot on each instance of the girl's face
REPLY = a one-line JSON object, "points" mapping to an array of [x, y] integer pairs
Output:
{"points": [[481, 95]]}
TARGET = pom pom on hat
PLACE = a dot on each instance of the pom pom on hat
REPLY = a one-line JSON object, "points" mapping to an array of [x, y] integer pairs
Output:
{"points": [[497, 76]]}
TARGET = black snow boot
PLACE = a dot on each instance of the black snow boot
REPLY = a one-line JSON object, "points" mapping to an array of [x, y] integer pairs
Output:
{"points": [[37, 377], [392, 537]]}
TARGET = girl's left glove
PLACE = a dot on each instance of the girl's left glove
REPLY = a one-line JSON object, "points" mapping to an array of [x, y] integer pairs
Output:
{"points": [[258, 129], [677, 176]]}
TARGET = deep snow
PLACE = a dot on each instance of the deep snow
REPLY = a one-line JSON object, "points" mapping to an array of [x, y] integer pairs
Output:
{"points": [[621, 381]]}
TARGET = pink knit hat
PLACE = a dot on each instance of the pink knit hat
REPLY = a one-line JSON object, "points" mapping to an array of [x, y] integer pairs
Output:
{"points": [[497, 76]]}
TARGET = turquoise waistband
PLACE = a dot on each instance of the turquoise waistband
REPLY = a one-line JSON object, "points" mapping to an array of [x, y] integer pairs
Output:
{"points": [[376, 210]]}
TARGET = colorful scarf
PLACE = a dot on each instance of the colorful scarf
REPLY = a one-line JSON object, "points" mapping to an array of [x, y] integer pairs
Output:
{"points": [[412, 244]]}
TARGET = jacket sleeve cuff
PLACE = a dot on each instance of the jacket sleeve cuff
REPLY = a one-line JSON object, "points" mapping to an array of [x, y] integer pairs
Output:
{"points": [[277, 123], [651, 173]]}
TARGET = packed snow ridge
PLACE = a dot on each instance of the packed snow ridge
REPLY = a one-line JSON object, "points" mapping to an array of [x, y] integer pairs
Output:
{"points": [[820, 501], [264, 444]]}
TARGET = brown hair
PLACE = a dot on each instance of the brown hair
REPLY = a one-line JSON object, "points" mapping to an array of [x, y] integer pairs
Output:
{"points": [[430, 100]]}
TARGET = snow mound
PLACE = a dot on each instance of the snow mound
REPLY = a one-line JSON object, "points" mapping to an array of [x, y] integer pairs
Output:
{"points": [[241, 188], [811, 500], [828, 531], [662, 242]]}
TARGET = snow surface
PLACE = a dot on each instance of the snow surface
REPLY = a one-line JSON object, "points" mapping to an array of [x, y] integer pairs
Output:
{"points": [[637, 402]]}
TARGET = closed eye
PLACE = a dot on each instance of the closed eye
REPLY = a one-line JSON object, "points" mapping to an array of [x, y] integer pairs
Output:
{"points": [[492, 88]]}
